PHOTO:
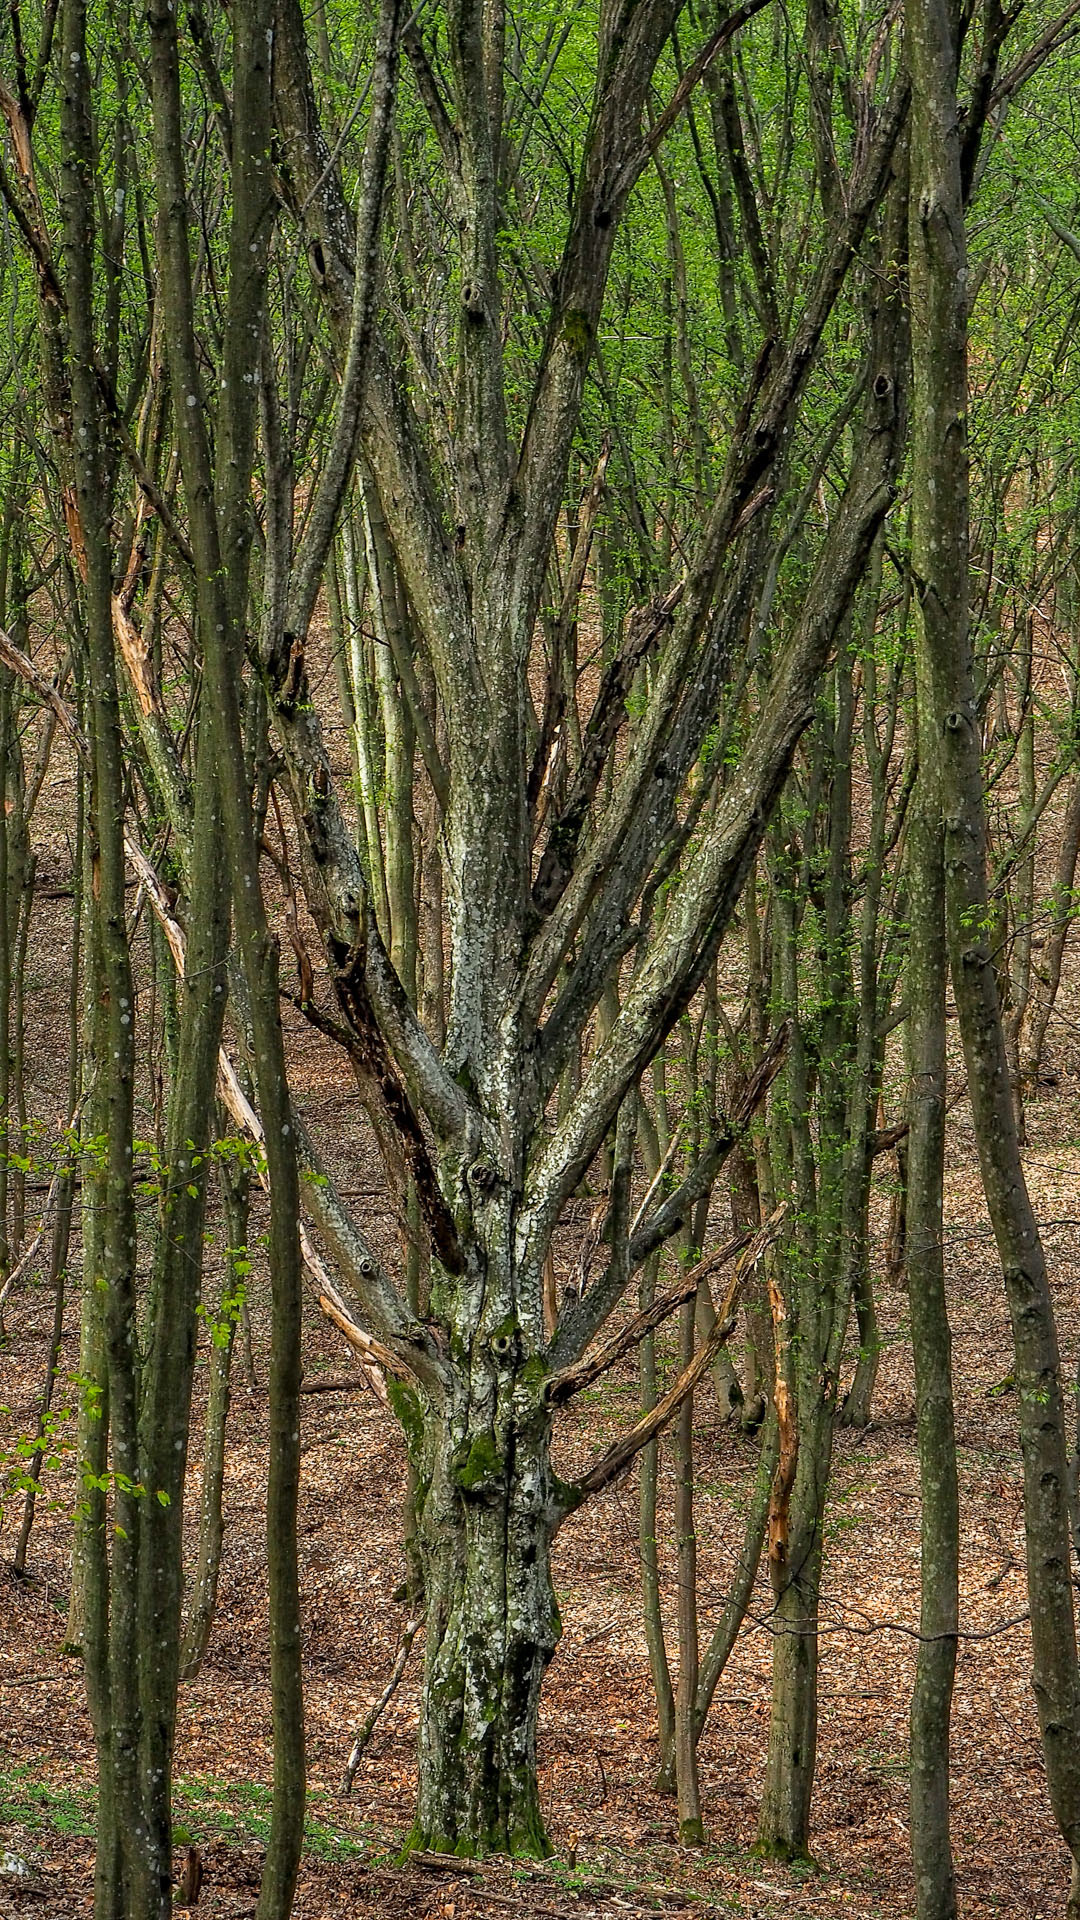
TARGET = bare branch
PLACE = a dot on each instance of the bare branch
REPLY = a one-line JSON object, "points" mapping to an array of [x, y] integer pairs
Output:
{"points": [[562, 1386], [619, 1455]]}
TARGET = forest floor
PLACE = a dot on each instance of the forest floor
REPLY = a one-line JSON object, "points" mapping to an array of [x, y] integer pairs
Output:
{"points": [[598, 1744], [598, 1748]]}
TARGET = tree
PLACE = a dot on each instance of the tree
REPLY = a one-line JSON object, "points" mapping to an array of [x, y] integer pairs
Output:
{"points": [[539, 924], [943, 161], [590, 563]]}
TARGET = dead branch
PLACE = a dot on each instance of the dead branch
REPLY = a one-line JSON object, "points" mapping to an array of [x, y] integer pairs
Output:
{"points": [[412, 1628]]}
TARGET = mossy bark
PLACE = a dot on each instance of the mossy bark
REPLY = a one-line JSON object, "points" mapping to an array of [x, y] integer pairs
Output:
{"points": [[784, 1819], [487, 1508]]}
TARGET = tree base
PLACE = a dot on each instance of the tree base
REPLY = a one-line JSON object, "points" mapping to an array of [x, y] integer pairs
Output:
{"points": [[780, 1849], [527, 1842]]}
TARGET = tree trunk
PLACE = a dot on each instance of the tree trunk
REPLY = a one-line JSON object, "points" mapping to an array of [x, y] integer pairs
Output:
{"points": [[487, 1513], [939, 293], [233, 1181], [784, 1819], [931, 1704]]}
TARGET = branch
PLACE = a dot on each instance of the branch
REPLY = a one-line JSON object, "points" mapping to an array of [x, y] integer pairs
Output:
{"points": [[555, 704], [389, 1096], [615, 863], [63, 1168], [700, 910], [605, 720], [337, 468], [562, 1386], [1063, 29], [620, 1454], [365, 1732], [610, 164], [580, 1327], [1057, 226], [672, 1213], [695, 72], [375, 1288]]}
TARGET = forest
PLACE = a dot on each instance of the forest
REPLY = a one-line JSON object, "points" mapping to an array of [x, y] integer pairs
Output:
{"points": [[539, 992]]}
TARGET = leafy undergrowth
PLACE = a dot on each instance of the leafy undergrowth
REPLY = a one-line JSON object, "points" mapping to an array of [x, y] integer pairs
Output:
{"points": [[205, 1810]]}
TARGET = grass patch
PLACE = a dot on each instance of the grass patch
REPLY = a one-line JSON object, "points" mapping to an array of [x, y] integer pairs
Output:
{"points": [[28, 1801], [204, 1809]]}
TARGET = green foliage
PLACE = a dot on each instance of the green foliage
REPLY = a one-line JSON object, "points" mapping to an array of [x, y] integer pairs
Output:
{"points": [[54, 1444]]}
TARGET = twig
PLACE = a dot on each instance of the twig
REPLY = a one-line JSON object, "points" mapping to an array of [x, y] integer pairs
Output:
{"points": [[62, 1166], [655, 1182]]}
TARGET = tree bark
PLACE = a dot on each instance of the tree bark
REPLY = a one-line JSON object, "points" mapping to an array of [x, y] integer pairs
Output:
{"points": [[939, 292], [487, 1508], [931, 1704]]}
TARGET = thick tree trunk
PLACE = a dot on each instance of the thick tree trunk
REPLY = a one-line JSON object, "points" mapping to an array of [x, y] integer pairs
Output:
{"points": [[487, 1513]]}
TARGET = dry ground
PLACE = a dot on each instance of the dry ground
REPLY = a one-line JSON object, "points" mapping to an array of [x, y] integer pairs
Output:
{"points": [[598, 1752]]}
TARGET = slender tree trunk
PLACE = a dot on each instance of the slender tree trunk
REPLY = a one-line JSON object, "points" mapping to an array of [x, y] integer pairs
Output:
{"points": [[691, 1828], [784, 1817], [939, 347], [648, 1541], [61, 1237], [733, 1613], [220, 532], [111, 1640], [1062, 918], [791, 1758], [931, 1704], [165, 1419], [8, 1143], [234, 1200]]}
